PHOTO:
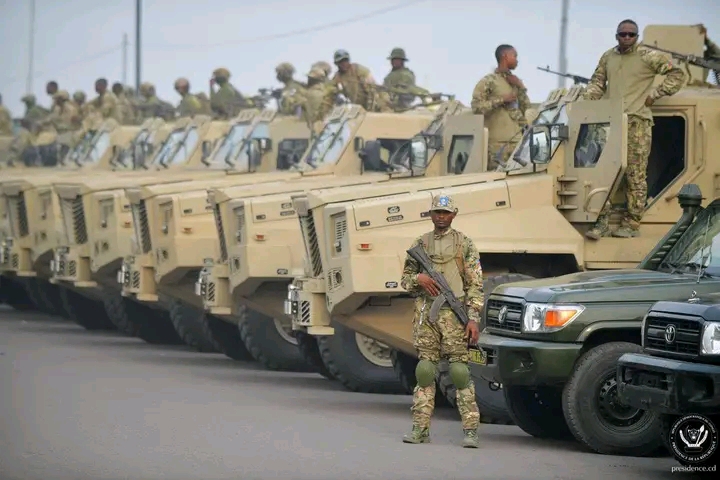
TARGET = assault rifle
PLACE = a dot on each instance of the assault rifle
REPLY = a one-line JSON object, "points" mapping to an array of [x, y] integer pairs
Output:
{"points": [[575, 78], [709, 64], [418, 254]]}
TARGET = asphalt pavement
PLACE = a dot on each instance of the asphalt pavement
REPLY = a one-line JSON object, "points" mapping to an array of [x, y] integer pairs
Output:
{"points": [[84, 405]]}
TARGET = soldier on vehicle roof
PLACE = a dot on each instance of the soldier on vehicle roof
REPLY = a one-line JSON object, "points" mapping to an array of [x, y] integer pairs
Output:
{"points": [[51, 88], [227, 101], [401, 79], [454, 256], [357, 84], [5, 120], [319, 97], [106, 103], [33, 111], [324, 66], [502, 98], [628, 71], [125, 106], [291, 97], [190, 105]]}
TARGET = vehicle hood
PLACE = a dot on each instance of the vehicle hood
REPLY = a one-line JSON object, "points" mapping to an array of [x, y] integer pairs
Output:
{"points": [[631, 285]]}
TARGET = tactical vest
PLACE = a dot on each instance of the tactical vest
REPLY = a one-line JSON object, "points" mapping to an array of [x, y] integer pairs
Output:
{"points": [[448, 259], [500, 124]]}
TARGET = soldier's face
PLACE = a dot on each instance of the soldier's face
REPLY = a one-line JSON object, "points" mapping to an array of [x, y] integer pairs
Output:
{"points": [[441, 218], [50, 89], [100, 88], [626, 35], [511, 59], [344, 65], [397, 62]]}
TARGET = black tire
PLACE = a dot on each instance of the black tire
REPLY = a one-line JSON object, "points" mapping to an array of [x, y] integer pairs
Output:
{"points": [[137, 320], [16, 295], [404, 366], [267, 346], [667, 423], [32, 290], [491, 403], [50, 295], [310, 351], [86, 312], [601, 424], [538, 412], [342, 357], [225, 336], [188, 325]]}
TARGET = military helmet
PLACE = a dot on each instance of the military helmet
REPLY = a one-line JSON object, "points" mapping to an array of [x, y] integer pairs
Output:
{"points": [[399, 53], [182, 82], [285, 68], [317, 74], [324, 66], [221, 72], [79, 96], [29, 98], [340, 55], [61, 95], [146, 87]]}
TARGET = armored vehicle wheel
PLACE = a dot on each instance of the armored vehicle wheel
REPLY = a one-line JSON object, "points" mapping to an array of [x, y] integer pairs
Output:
{"points": [[138, 320], [537, 411], [360, 363], [491, 403], [45, 296], [311, 353], [15, 295], [404, 366], [225, 336], [187, 322], [86, 312], [594, 413], [271, 342]]}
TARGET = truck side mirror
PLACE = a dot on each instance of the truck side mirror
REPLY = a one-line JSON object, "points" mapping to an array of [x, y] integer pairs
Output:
{"points": [[434, 142], [418, 153], [265, 144], [540, 144], [358, 143], [206, 148]]}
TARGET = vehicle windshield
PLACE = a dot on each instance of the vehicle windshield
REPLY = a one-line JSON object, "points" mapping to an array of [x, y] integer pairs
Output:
{"points": [[168, 147], [185, 148], [230, 144], [329, 145], [79, 151], [556, 115], [249, 150], [99, 146], [128, 157], [698, 248]]}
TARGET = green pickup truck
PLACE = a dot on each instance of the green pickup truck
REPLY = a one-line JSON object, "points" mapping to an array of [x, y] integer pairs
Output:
{"points": [[554, 343], [678, 375]]}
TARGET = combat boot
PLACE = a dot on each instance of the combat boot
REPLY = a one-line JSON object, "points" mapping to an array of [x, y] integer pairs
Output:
{"points": [[597, 232], [418, 435], [471, 438], [625, 232]]}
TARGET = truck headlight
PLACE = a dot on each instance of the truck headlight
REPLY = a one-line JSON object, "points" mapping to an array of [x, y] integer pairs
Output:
{"points": [[545, 317], [710, 344]]}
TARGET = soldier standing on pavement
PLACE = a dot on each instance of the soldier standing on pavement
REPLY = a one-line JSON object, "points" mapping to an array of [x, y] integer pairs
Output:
{"points": [[356, 83], [226, 102], [189, 105], [502, 98], [628, 72], [5, 120], [106, 103], [291, 98], [454, 256]]}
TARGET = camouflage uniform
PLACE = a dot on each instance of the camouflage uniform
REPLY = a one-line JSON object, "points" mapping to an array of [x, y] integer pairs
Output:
{"points": [[630, 76], [79, 101], [319, 97], [325, 67], [5, 120], [64, 116], [106, 105], [33, 111], [401, 82], [189, 105], [293, 92], [504, 121], [358, 85], [126, 108], [227, 102], [21, 142], [454, 255], [151, 106]]}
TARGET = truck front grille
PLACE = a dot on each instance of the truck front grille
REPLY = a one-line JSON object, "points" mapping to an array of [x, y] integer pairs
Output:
{"points": [[312, 247], [673, 334], [142, 226], [504, 314], [221, 233], [17, 210], [73, 213]]}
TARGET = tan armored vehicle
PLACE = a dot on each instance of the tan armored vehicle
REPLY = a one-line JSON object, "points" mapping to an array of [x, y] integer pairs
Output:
{"points": [[261, 247], [89, 263], [526, 222], [185, 245], [25, 241]]}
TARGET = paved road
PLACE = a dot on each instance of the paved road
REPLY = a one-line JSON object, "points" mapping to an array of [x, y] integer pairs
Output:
{"points": [[80, 405]]}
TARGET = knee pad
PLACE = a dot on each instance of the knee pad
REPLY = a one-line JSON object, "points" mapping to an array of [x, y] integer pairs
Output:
{"points": [[460, 375], [425, 373]]}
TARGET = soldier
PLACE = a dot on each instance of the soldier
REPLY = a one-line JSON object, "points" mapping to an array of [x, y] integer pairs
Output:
{"points": [[401, 81], [319, 97], [51, 89], [125, 107], [151, 106], [291, 98], [20, 143], [5, 120], [712, 52], [226, 102], [356, 83], [502, 98], [189, 105], [64, 115], [628, 72], [106, 103], [33, 111], [453, 255], [79, 98], [325, 67]]}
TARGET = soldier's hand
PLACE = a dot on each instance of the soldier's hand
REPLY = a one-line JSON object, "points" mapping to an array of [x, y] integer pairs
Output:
{"points": [[515, 81], [509, 98], [428, 284], [212, 81], [472, 332], [649, 101], [703, 30]]}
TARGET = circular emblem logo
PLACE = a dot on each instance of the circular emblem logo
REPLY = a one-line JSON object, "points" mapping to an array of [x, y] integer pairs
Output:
{"points": [[502, 314], [670, 331], [693, 438]]}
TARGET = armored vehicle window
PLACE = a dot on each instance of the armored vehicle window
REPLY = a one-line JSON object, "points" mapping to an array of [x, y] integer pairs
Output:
{"points": [[330, 144], [698, 247], [100, 145], [667, 153], [378, 155], [185, 148], [460, 149], [555, 115], [228, 149], [81, 149], [591, 141], [168, 147], [290, 152]]}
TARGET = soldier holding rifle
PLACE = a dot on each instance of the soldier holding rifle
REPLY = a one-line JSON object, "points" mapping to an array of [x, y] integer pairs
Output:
{"points": [[455, 262]]}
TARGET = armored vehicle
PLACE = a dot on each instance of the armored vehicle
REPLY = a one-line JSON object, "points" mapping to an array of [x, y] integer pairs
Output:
{"points": [[677, 376], [175, 276], [527, 221], [243, 291], [215, 159]]}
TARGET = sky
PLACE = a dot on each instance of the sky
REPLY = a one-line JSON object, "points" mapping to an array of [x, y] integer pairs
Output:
{"points": [[450, 43]]}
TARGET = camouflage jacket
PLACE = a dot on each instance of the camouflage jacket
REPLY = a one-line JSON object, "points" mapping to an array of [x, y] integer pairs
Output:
{"points": [[63, 117], [126, 109], [503, 120], [318, 101], [153, 107], [292, 98], [472, 275], [189, 106], [227, 102], [107, 105], [5, 121], [358, 85], [35, 113], [400, 83], [631, 75]]}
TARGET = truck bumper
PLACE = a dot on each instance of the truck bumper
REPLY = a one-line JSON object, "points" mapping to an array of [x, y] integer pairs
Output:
{"points": [[512, 361], [668, 386]]}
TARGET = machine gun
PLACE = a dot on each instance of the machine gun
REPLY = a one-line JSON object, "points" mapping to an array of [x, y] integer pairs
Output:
{"points": [[706, 63], [418, 254], [575, 78]]}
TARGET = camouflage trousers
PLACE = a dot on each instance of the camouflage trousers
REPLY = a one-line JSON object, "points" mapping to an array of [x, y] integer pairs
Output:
{"points": [[639, 143], [444, 338], [499, 153]]}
